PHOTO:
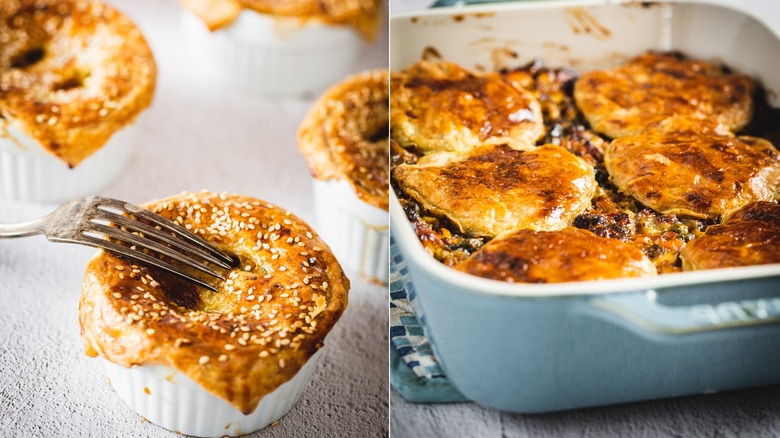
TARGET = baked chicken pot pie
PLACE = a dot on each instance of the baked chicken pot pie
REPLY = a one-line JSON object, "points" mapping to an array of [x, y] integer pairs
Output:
{"points": [[344, 139], [279, 47], [652, 155], [242, 354], [74, 76]]}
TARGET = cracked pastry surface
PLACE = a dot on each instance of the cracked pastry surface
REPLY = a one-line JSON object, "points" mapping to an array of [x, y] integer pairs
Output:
{"points": [[440, 107], [269, 316], [703, 176], [622, 101], [363, 15], [72, 73], [571, 254], [344, 136], [751, 236], [492, 190]]}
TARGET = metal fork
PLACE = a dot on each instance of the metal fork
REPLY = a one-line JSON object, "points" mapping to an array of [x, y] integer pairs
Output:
{"points": [[88, 221]]}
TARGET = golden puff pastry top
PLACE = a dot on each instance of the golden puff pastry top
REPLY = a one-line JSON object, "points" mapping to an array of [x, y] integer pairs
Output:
{"points": [[363, 15], [704, 176], [622, 101], [269, 316], [750, 236], [72, 73], [345, 136], [572, 254], [496, 189], [441, 107]]}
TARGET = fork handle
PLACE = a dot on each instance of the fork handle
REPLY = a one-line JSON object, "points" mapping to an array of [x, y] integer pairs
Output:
{"points": [[31, 228]]}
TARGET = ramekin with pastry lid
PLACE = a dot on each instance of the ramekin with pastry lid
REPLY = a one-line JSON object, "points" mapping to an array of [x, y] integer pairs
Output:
{"points": [[74, 76], [225, 363], [344, 138], [279, 47]]}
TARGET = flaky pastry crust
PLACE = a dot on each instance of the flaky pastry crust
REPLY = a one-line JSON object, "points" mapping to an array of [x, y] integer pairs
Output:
{"points": [[363, 15], [344, 136], [493, 190], [442, 107], [622, 101], [750, 236], [240, 343], [703, 176], [72, 73], [572, 254]]}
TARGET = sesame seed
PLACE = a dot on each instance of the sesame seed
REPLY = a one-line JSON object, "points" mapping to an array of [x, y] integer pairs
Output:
{"points": [[204, 360], [263, 353], [281, 363], [150, 331], [117, 295], [230, 347], [223, 358], [120, 268]]}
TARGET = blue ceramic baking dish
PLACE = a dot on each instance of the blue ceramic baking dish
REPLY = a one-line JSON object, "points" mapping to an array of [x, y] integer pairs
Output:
{"points": [[541, 348]]}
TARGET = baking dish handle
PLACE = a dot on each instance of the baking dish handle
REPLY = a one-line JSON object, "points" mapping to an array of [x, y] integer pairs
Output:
{"points": [[643, 310]]}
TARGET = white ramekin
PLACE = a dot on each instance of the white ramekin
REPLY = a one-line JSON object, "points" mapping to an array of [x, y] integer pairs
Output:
{"points": [[170, 399], [356, 231], [30, 173], [273, 55]]}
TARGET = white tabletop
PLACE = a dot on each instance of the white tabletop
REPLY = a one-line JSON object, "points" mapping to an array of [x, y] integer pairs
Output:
{"points": [[195, 136], [746, 413]]}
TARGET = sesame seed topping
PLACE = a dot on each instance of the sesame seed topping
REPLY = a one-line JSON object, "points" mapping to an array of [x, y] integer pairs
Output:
{"points": [[117, 295], [204, 360], [263, 353], [230, 347], [150, 331]]}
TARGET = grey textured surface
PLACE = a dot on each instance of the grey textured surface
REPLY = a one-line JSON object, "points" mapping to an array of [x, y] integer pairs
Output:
{"points": [[745, 413], [195, 136]]}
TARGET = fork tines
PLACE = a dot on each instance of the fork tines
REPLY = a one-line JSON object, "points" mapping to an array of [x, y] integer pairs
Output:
{"points": [[144, 230]]}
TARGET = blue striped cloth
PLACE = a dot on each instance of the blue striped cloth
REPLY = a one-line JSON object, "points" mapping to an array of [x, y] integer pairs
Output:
{"points": [[415, 371]]}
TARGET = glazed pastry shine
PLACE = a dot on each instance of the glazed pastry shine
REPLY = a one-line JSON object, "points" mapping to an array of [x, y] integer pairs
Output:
{"points": [[652, 87], [572, 254], [441, 107], [496, 189], [72, 73], [703, 176], [363, 15], [344, 136], [267, 319]]}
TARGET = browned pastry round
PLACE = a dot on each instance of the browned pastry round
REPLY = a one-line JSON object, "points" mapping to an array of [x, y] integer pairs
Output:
{"points": [[703, 176], [751, 236], [438, 107], [240, 343], [72, 72], [363, 15], [344, 136], [622, 101], [495, 189], [572, 254]]}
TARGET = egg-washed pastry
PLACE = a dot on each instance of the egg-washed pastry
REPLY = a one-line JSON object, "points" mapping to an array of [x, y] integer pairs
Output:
{"points": [[363, 15], [624, 100], [267, 318], [344, 135], [750, 236], [441, 107], [704, 176], [72, 73], [528, 256], [492, 190]]}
